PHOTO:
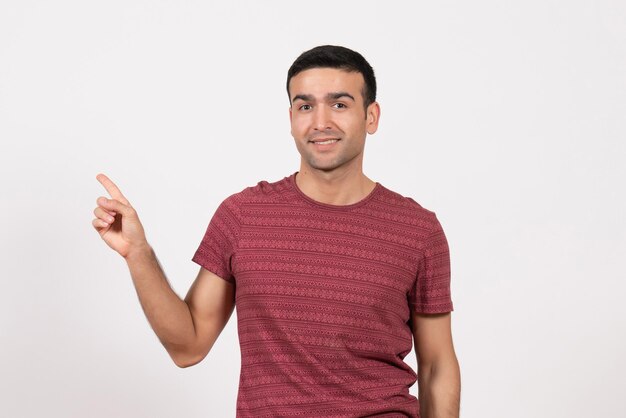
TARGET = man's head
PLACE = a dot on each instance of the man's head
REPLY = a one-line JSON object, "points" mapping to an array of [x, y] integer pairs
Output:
{"points": [[339, 57], [332, 108]]}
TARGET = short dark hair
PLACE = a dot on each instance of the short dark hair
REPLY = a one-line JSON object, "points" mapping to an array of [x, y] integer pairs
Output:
{"points": [[332, 56]]}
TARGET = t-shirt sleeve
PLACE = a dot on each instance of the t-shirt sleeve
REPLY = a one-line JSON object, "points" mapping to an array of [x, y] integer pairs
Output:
{"points": [[216, 250], [431, 291]]}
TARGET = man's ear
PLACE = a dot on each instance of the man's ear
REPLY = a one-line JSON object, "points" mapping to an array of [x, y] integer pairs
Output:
{"points": [[372, 116]]}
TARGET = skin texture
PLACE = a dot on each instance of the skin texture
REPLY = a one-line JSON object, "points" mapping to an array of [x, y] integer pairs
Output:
{"points": [[326, 103], [439, 378]]}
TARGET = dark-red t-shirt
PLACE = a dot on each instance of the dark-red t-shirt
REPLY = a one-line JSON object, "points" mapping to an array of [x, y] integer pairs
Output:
{"points": [[323, 297]]}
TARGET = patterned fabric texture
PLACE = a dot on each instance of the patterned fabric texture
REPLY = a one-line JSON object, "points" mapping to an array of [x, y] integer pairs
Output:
{"points": [[324, 295]]}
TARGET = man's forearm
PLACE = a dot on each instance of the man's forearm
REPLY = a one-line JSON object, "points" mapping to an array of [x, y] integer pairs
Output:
{"points": [[168, 315], [440, 390]]}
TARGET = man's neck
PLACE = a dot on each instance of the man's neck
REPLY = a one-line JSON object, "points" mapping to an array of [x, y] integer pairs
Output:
{"points": [[334, 188]]}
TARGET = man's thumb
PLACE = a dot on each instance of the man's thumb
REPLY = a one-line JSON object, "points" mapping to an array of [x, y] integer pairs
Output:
{"points": [[114, 205]]}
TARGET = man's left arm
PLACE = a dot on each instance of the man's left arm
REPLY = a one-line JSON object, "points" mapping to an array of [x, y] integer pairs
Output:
{"points": [[439, 375]]}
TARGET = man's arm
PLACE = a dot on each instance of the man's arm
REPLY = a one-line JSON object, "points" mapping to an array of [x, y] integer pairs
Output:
{"points": [[439, 376], [186, 328]]}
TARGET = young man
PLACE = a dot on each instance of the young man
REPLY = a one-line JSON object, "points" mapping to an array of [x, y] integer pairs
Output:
{"points": [[333, 275]]}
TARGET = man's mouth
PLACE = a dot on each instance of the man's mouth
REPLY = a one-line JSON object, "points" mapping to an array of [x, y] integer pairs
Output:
{"points": [[324, 141]]}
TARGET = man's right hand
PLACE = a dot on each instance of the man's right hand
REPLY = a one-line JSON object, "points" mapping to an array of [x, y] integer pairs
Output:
{"points": [[117, 221], [187, 328]]}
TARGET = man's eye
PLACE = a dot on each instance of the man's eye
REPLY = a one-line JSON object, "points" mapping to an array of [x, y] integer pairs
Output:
{"points": [[305, 107], [340, 105]]}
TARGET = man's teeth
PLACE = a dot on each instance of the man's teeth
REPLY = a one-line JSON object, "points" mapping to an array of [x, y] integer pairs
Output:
{"points": [[330, 141]]}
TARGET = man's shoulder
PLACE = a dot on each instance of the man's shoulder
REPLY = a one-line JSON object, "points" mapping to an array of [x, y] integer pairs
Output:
{"points": [[405, 202], [262, 191], [406, 209]]}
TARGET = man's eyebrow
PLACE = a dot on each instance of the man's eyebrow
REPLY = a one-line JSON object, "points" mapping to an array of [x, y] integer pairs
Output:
{"points": [[305, 97], [329, 96], [339, 95]]}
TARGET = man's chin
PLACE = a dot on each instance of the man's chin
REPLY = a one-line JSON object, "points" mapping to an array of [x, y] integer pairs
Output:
{"points": [[325, 167]]}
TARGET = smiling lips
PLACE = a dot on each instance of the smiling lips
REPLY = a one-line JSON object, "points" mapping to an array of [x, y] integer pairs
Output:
{"points": [[324, 141]]}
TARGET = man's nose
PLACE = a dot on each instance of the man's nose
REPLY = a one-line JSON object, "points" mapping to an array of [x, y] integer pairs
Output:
{"points": [[322, 118]]}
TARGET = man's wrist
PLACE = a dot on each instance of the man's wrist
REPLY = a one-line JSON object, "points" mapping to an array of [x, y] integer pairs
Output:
{"points": [[138, 252]]}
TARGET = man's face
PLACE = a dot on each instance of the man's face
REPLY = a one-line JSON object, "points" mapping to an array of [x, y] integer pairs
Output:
{"points": [[327, 104]]}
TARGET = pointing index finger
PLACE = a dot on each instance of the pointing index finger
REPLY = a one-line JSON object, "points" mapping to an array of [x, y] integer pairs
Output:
{"points": [[113, 190]]}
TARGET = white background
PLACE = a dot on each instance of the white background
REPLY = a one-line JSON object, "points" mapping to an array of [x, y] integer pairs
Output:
{"points": [[505, 118]]}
